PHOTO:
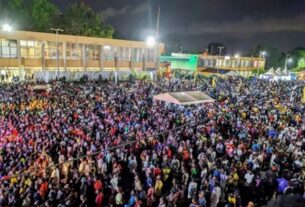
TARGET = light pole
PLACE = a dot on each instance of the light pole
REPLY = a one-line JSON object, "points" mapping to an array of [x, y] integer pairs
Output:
{"points": [[152, 43], [7, 28], [57, 51], [181, 49], [287, 60], [262, 54], [220, 49]]}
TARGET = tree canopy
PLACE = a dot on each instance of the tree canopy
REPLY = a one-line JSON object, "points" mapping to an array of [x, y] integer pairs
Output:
{"points": [[41, 15], [298, 56], [80, 19], [274, 57]]}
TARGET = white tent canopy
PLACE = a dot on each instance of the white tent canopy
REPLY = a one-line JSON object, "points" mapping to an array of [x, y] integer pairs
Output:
{"points": [[270, 72], [232, 73], [278, 71], [184, 98], [279, 74], [46, 88], [285, 71]]}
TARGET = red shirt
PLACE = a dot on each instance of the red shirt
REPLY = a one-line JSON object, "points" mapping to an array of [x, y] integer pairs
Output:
{"points": [[43, 189], [98, 185], [99, 200]]}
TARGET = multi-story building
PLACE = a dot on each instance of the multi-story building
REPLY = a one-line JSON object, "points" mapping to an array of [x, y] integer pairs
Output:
{"points": [[208, 64], [24, 53]]}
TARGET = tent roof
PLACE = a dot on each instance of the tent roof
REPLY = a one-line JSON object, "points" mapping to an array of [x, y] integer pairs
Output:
{"points": [[270, 72], [278, 71], [285, 71], [184, 98], [232, 73], [46, 87]]}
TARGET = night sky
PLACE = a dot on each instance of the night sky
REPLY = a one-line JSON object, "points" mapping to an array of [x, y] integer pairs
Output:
{"points": [[238, 24]]}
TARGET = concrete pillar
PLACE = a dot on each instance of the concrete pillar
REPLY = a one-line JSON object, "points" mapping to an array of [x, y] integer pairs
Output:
{"points": [[116, 63], [65, 55], [129, 59], [157, 60], [116, 77], [101, 61], [43, 56], [129, 54], [20, 67], [19, 53], [144, 58], [84, 55], [116, 60]]}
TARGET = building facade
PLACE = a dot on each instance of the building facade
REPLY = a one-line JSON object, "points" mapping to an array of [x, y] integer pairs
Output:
{"points": [[177, 61], [223, 64], [23, 53], [208, 64]]}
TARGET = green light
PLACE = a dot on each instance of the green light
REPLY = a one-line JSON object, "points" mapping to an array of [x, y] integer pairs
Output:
{"points": [[182, 61]]}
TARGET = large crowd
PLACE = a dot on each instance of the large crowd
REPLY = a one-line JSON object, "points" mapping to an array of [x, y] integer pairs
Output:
{"points": [[100, 144]]}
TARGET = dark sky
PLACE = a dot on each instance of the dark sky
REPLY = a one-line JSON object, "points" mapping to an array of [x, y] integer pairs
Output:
{"points": [[239, 24]]}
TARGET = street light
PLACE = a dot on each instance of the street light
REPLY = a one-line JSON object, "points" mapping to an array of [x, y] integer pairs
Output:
{"points": [[7, 28], [151, 41], [288, 60], [236, 56], [57, 51], [220, 49], [262, 54]]}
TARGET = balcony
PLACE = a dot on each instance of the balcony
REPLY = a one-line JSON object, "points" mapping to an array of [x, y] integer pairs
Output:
{"points": [[9, 62], [36, 62], [93, 63], [53, 63]]}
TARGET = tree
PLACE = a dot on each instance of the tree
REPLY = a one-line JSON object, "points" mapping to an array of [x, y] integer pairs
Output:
{"points": [[18, 14], [43, 15], [80, 19], [301, 63], [172, 45], [298, 56], [118, 35], [274, 57]]}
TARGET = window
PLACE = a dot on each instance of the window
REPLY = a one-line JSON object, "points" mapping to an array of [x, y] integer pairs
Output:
{"points": [[73, 51], [134, 54], [108, 52], [51, 50], [8, 48], [93, 52], [30, 49], [150, 55]]}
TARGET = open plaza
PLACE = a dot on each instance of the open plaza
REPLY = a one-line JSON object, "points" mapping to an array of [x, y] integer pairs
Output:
{"points": [[91, 120]]}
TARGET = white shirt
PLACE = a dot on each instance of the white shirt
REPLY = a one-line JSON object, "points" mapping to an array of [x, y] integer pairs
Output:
{"points": [[249, 177]]}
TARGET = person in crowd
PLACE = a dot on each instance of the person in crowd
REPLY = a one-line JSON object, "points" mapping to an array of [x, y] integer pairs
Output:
{"points": [[100, 144]]}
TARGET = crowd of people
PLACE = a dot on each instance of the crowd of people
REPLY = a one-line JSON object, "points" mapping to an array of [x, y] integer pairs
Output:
{"points": [[100, 144]]}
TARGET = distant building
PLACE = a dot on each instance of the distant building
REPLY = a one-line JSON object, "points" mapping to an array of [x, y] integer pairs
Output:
{"points": [[179, 61], [207, 64], [24, 53]]}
